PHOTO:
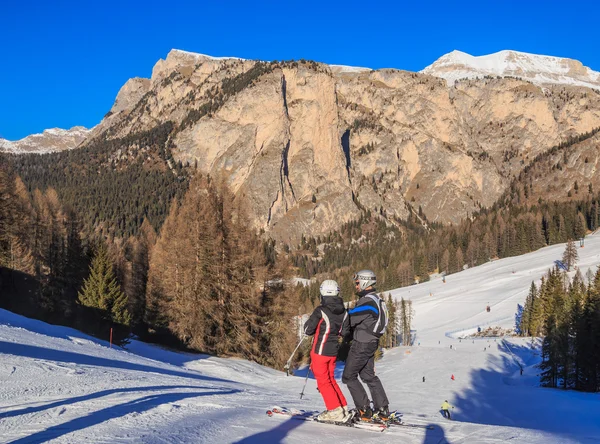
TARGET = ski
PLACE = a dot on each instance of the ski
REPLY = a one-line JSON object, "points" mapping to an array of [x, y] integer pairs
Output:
{"points": [[306, 415], [375, 425], [416, 426], [396, 421]]}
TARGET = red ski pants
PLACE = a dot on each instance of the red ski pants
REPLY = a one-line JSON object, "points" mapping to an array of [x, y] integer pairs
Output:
{"points": [[323, 368]]}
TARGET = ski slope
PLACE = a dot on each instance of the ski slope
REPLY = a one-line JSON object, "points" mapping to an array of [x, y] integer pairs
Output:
{"points": [[62, 386]]}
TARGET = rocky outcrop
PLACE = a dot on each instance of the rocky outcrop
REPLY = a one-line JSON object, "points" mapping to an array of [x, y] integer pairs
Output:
{"points": [[130, 94]]}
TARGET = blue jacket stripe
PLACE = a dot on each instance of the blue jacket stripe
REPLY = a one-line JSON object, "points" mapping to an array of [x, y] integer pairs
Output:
{"points": [[363, 308]]}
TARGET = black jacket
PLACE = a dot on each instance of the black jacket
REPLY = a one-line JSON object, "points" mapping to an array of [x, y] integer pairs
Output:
{"points": [[327, 323], [364, 318]]}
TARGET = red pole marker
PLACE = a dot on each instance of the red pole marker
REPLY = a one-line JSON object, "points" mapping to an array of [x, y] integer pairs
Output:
{"points": [[110, 337]]}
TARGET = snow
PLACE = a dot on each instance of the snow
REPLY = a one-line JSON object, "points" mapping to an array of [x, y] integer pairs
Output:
{"points": [[304, 282], [7, 146], [51, 140], [61, 385], [539, 69], [203, 56], [348, 69]]}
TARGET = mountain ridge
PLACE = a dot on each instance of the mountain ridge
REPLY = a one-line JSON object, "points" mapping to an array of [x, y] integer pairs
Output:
{"points": [[310, 147], [539, 69], [49, 141]]}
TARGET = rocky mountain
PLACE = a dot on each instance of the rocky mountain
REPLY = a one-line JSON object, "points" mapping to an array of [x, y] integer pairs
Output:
{"points": [[562, 173], [310, 146], [51, 140], [538, 69]]}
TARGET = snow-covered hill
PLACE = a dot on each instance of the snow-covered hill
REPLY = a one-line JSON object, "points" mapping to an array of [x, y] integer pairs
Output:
{"points": [[51, 140], [539, 69], [60, 385]]}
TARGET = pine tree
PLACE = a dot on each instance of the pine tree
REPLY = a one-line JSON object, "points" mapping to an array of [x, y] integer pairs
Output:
{"points": [[577, 292], [389, 339], [405, 320], [215, 285], [570, 255], [101, 290], [580, 226], [550, 355], [7, 213], [140, 249]]}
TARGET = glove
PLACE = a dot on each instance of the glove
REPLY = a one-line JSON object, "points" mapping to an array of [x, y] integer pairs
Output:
{"points": [[343, 351]]}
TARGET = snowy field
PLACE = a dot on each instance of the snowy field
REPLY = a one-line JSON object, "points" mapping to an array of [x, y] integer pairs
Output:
{"points": [[60, 385]]}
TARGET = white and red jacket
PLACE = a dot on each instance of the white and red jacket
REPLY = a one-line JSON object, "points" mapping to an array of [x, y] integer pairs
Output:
{"points": [[328, 322]]}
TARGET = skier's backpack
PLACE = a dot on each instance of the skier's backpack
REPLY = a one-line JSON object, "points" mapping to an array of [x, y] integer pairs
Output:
{"points": [[382, 322]]}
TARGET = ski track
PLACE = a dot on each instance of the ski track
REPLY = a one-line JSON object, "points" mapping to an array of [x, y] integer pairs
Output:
{"points": [[60, 385]]}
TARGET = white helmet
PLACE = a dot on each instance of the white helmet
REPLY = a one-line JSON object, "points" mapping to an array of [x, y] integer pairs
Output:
{"points": [[330, 287], [365, 279]]}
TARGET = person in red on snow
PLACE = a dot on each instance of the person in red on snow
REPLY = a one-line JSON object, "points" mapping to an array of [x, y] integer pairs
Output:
{"points": [[327, 322]]}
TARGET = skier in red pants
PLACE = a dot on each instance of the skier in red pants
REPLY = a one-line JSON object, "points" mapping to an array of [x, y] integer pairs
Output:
{"points": [[327, 322]]}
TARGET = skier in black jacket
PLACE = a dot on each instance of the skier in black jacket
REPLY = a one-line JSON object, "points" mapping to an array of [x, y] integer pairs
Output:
{"points": [[368, 321], [328, 322]]}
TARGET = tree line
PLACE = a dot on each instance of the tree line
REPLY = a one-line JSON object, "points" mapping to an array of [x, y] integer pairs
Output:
{"points": [[112, 184], [567, 315], [206, 281], [405, 252]]}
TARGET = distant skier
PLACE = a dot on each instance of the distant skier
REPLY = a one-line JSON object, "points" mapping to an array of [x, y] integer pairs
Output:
{"points": [[327, 322], [446, 409], [368, 321], [452, 377], [423, 378]]}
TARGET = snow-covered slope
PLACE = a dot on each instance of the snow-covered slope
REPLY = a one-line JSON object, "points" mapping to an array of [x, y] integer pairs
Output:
{"points": [[51, 140], [60, 385], [539, 69]]}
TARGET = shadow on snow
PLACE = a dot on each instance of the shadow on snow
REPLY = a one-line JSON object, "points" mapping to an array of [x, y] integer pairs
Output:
{"points": [[274, 436], [138, 405], [501, 396], [89, 396], [35, 352], [435, 435]]}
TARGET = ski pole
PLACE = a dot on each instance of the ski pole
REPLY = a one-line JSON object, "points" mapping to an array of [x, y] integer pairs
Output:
{"points": [[305, 381], [289, 361]]}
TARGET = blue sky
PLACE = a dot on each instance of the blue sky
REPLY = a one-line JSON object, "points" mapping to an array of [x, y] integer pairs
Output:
{"points": [[63, 62]]}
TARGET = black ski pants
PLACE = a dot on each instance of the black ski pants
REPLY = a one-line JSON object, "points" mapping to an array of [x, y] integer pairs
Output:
{"points": [[446, 414], [361, 361]]}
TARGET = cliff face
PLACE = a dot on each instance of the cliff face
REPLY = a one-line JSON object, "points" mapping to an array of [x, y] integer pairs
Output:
{"points": [[308, 145]]}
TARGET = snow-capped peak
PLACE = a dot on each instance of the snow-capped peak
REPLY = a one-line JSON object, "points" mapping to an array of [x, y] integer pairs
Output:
{"points": [[51, 140], [539, 69]]}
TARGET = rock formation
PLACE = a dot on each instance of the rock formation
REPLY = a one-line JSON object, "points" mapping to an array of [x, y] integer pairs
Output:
{"points": [[310, 146]]}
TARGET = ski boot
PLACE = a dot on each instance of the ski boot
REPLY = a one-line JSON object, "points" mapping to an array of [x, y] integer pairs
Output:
{"points": [[382, 414], [364, 414]]}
